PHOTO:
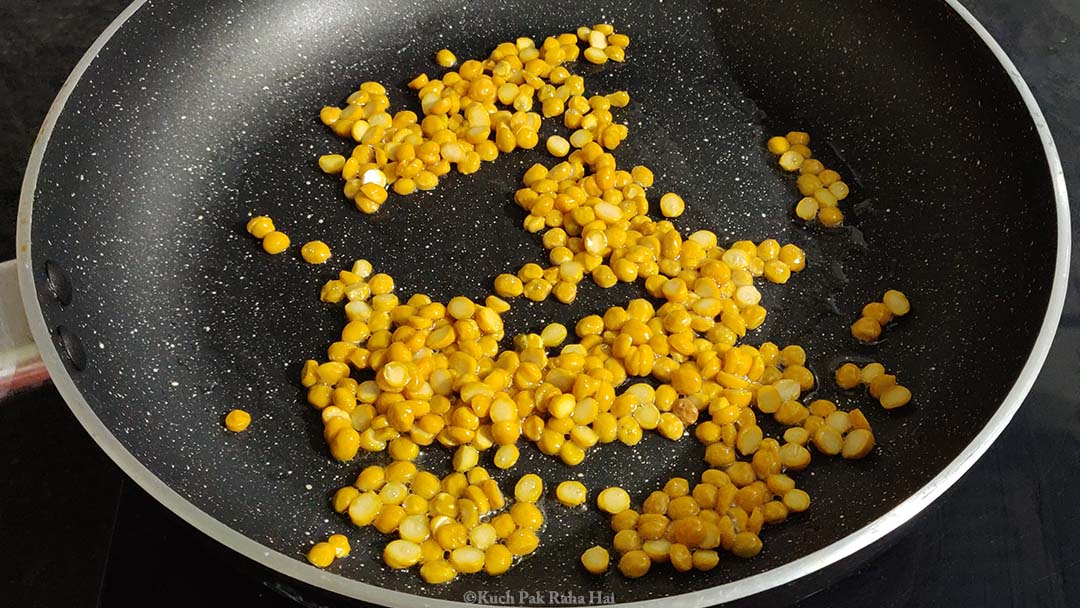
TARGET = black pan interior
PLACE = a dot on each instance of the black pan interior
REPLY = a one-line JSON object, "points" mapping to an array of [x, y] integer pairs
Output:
{"points": [[196, 115]]}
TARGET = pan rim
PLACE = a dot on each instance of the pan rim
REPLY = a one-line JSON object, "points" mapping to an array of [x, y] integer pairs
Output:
{"points": [[296, 569]]}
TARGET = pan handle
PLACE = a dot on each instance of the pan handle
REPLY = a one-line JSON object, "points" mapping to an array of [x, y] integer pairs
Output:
{"points": [[21, 367]]}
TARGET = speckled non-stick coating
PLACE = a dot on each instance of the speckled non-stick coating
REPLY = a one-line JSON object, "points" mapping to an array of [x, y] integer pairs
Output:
{"points": [[196, 116]]}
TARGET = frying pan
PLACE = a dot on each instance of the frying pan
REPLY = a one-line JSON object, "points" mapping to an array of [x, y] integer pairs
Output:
{"points": [[155, 314]]}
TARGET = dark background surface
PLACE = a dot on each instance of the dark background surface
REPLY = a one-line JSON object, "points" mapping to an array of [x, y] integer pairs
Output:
{"points": [[73, 532]]}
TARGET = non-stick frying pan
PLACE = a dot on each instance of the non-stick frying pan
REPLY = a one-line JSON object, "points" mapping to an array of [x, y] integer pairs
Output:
{"points": [[155, 313]]}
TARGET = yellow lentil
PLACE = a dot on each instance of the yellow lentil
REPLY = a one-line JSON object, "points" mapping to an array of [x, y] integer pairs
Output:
{"points": [[613, 500], [275, 242], [445, 58], [321, 555], [260, 226], [595, 559], [672, 205], [315, 252], [571, 493], [237, 421]]}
